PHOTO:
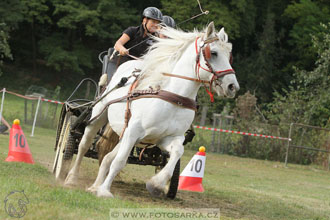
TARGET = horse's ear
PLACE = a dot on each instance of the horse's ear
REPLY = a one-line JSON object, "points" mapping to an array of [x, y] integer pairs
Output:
{"points": [[210, 30], [222, 35]]}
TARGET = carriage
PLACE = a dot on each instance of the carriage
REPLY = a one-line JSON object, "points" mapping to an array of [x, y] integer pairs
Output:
{"points": [[74, 117]]}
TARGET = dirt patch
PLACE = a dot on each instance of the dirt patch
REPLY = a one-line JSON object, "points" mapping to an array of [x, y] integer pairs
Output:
{"points": [[130, 185], [135, 190]]}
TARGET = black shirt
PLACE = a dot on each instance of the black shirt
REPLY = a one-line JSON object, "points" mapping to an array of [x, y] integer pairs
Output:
{"points": [[136, 36]]}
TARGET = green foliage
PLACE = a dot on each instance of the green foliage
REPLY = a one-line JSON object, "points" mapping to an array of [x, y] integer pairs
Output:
{"points": [[307, 16], [229, 15], [4, 46], [259, 68], [307, 100], [35, 11], [64, 57], [11, 13], [10, 16], [75, 15], [116, 16]]}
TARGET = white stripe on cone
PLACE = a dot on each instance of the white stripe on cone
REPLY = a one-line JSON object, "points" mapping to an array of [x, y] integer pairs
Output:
{"points": [[195, 167]]}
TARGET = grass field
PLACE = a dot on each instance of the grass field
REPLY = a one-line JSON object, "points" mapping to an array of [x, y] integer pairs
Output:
{"points": [[242, 188]]}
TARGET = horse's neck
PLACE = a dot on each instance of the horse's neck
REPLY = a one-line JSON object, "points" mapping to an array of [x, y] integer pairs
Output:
{"points": [[184, 67]]}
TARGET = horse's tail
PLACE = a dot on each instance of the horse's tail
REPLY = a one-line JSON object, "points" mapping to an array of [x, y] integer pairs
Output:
{"points": [[107, 142]]}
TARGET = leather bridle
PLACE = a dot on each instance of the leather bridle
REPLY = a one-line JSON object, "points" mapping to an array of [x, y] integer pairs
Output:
{"points": [[204, 49]]}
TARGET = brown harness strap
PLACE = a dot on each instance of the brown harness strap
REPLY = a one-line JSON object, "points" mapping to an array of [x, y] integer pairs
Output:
{"points": [[173, 98], [169, 97], [128, 110], [161, 94], [149, 93]]}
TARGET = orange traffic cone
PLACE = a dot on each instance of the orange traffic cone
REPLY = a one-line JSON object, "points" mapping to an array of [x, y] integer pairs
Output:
{"points": [[19, 150], [192, 176]]}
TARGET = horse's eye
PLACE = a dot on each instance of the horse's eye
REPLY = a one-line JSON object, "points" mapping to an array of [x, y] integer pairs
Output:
{"points": [[213, 53]]}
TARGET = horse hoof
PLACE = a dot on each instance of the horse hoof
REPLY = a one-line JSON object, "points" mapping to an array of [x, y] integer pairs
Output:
{"points": [[71, 180], [92, 189], [154, 191], [104, 193]]}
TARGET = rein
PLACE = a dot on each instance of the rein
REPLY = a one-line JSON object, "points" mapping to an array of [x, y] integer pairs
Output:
{"points": [[186, 77], [195, 16]]}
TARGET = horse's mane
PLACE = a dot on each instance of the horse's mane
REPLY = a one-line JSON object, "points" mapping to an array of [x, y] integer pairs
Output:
{"points": [[164, 53]]}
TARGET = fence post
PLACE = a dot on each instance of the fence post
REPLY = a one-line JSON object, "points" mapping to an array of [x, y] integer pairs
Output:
{"points": [[35, 116], [288, 147], [329, 162], [204, 113], [25, 111], [213, 133], [219, 135], [2, 101], [54, 117]]}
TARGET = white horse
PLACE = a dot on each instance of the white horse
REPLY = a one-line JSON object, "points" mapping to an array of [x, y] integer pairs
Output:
{"points": [[154, 120]]}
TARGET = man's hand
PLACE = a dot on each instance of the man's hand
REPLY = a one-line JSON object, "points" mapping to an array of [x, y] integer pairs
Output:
{"points": [[103, 80], [123, 51]]}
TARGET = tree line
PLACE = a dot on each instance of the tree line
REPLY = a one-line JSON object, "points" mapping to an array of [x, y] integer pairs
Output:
{"points": [[279, 48]]}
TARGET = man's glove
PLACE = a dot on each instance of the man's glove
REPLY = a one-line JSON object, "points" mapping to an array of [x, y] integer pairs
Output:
{"points": [[103, 80]]}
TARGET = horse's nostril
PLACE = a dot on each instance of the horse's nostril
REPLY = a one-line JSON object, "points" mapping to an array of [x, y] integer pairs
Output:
{"points": [[231, 87]]}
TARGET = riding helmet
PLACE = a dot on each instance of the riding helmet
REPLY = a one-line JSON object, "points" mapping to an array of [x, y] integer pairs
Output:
{"points": [[168, 21], [153, 13]]}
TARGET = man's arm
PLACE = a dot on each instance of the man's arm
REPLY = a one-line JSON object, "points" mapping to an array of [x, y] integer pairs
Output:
{"points": [[119, 46]]}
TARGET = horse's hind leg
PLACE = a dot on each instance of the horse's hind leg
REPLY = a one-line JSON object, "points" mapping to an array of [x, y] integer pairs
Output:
{"points": [[85, 143]]}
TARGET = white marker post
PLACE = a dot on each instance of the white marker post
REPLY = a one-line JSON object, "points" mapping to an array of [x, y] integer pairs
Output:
{"points": [[2, 101], [35, 117]]}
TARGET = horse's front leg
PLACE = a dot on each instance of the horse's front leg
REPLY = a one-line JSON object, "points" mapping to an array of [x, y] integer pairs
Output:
{"points": [[126, 144], [104, 169], [157, 184], [85, 143]]}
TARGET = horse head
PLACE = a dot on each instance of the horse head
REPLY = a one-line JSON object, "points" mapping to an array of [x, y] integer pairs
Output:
{"points": [[214, 62]]}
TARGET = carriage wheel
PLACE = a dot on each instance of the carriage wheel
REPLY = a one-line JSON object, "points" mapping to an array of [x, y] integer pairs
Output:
{"points": [[65, 149], [58, 135], [172, 185]]}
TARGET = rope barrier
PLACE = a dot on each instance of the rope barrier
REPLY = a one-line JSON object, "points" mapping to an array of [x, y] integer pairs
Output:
{"points": [[195, 126], [29, 98], [242, 133], [32, 98]]}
